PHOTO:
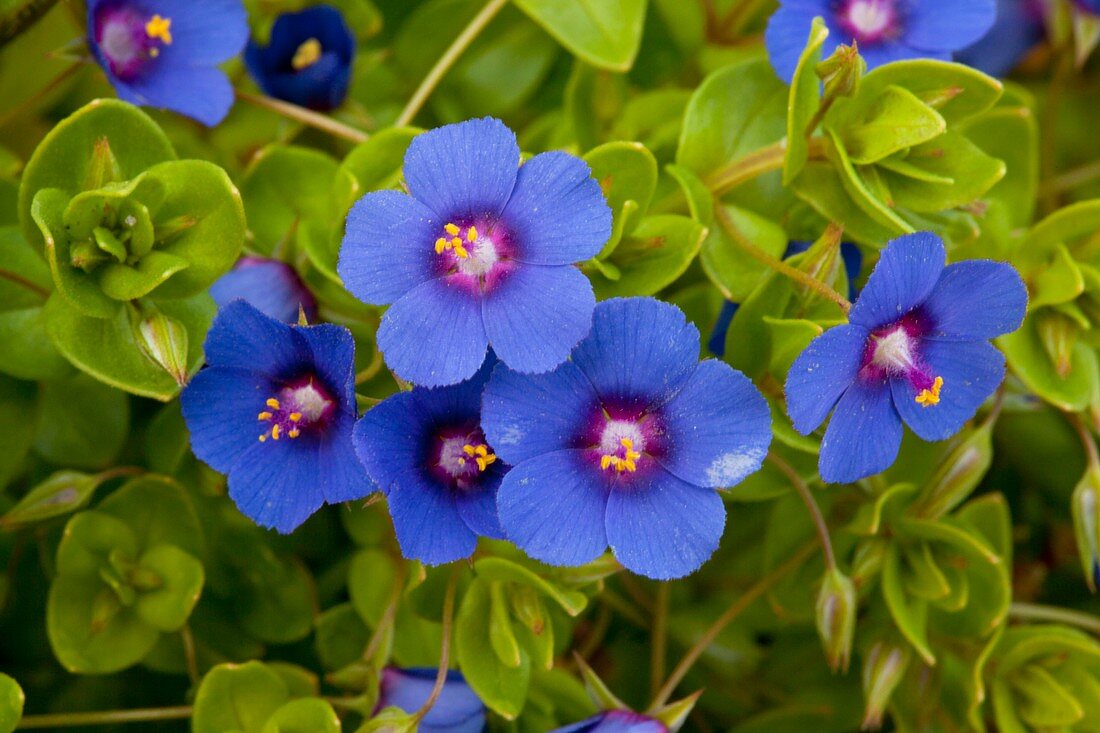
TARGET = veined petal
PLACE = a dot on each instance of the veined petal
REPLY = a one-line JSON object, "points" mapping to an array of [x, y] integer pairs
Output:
{"points": [[427, 522], [333, 351], [202, 93], [821, 374], [907, 270], [478, 505], [863, 436], [243, 338], [948, 25], [220, 407], [203, 33], [276, 485], [976, 300]]}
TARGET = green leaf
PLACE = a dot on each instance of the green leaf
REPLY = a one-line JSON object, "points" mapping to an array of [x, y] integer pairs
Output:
{"points": [[803, 102], [865, 187], [18, 406], [159, 511], [1061, 281], [501, 635], [968, 173], [501, 687], [955, 91], [605, 33], [910, 614], [371, 579], [873, 128], [83, 423], [180, 577], [626, 171], [1031, 363], [1062, 227], [307, 715], [88, 542], [735, 272], [1043, 702], [341, 636], [11, 703], [499, 569], [237, 697], [823, 188], [25, 284], [652, 258], [283, 186], [61, 493]]}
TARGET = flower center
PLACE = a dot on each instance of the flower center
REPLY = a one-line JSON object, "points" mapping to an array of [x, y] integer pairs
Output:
{"points": [[128, 39], [894, 351], [299, 406], [307, 55], [471, 252], [869, 20], [621, 446], [463, 457]]}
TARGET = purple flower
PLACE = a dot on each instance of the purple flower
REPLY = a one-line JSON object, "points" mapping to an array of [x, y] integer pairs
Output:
{"points": [[624, 444], [616, 721], [1089, 6], [274, 410], [307, 60], [480, 254], [916, 350], [1018, 29], [165, 53], [426, 450], [270, 286], [456, 710], [884, 30]]}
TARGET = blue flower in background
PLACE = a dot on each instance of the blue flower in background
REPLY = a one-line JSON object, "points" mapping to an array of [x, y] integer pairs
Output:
{"points": [[274, 410], [164, 53], [625, 444], [270, 286], [1018, 29], [456, 710], [884, 30], [616, 721], [425, 449], [480, 254], [916, 349], [307, 60], [853, 263], [1089, 6]]}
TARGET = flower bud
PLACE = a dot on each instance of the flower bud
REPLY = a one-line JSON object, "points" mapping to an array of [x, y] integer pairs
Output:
{"points": [[836, 610], [958, 474], [869, 556], [164, 341], [841, 73], [1059, 333], [103, 168], [883, 669], [822, 260], [1086, 525]]}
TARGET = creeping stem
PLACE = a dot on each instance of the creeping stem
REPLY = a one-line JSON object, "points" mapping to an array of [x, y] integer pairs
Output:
{"points": [[1087, 442], [659, 642], [103, 717], [743, 170], [445, 647], [811, 504], [1036, 612], [305, 116]]}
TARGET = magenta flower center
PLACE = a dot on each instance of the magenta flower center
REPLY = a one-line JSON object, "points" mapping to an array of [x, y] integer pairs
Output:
{"points": [[621, 446], [894, 351], [129, 39], [474, 253], [301, 406], [462, 455], [869, 21]]}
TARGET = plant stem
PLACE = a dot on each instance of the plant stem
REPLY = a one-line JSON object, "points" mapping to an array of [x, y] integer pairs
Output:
{"points": [[1087, 441], [776, 264], [659, 639], [445, 647], [104, 717], [53, 84], [811, 505], [736, 18], [447, 60], [305, 116], [24, 283], [736, 608], [742, 170], [188, 640], [371, 369], [1036, 612], [1063, 70], [1072, 179]]}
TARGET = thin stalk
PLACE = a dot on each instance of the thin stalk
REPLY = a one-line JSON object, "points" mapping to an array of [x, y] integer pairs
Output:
{"points": [[735, 20], [1072, 179], [104, 717], [659, 639], [1086, 440], [305, 116], [741, 241], [445, 647], [387, 616], [751, 595], [62, 76], [811, 505], [743, 170], [447, 60], [24, 283], [188, 640], [1036, 612], [1048, 143], [597, 632], [371, 369]]}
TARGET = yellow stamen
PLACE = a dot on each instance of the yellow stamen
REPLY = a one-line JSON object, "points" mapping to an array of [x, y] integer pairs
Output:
{"points": [[629, 465], [264, 416], [275, 431], [159, 28], [451, 229], [929, 397], [307, 55], [627, 443], [481, 451], [471, 234], [272, 403], [461, 251], [468, 449], [481, 455], [462, 461], [295, 416], [294, 432], [440, 245], [263, 438], [605, 461]]}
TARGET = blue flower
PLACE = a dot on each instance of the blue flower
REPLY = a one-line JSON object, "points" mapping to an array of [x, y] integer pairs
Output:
{"points": [[1089, 6], [426, 450], [165, 53], [307, 60], [884, 30], [274, 409], [916, 349], [270, 286], [616, 721], [1018, 29], [624, 444], [853, 263], [456, 710], [480, 254]]}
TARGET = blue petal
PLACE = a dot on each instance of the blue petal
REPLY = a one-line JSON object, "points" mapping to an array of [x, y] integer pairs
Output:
{"points": [[880, 54], [536, 315], [333, 350], [717, 341], [557, 213], [527, 415], [615, 721], [719, 427], [552, 507], [821, 374], [199, 92], [465, 170], [322, 86], [270, 286], [389, 438], [456, 710], [904, 276], [427, 522], [662, 527], [948, 25], [433, 335], [788, 31], [639, 348], [387, 247], [220, 408], [340, 474], [1018, 29], [478, 505], [971, 371], [863, 436], [243, 338], [276, 483], [976, 300], [203, 33]]}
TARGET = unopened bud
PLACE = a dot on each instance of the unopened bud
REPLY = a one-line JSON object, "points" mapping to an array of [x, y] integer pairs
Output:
{"points": [[164, 341], [1086, 525], [841, 72], [959, 474], [103, 168], [882, 671], [822, 260], [675, 714], [1059, 333], [836, 618], [869, 557], [86, 255]]}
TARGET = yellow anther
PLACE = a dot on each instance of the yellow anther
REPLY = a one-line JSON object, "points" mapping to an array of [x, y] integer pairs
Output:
{"points": [[440, 245], [307, 55], [264, 416], [481, 455], [272, 403], [275, 429], [295, 416], [481, 451], [294, 432], [154, 52], [159, 28], [461, 251], [471, 234], [451, 229], [462, 461], [929, 397], [469, 449], [605, 461], [263, 438], [628, 464], [627, 443]]}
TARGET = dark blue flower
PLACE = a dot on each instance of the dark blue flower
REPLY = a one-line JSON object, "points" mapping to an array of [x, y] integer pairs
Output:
{"points": [[916, 349], [1089, 6], [270, 286], [1018, 29], [425, 449], [165, 53], [616, 721], [480, 254], [456, 710], [624, 444], [853, 263], [307, 60], [274, 410], [884, 30]]}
